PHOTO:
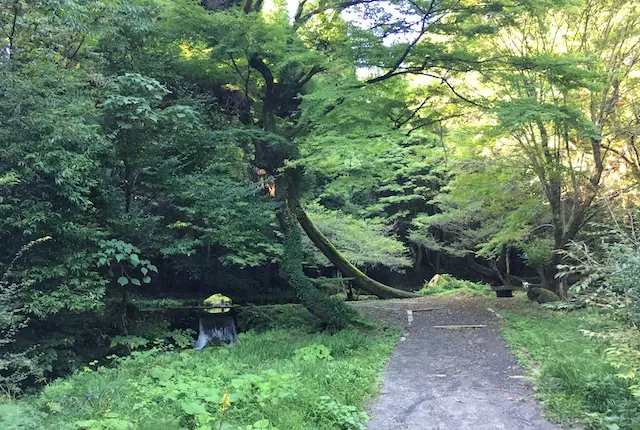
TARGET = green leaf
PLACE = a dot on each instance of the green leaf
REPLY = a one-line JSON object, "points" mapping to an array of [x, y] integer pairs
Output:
{"points": [[193, 408], [123, 280], [235, 396], [135, 260], [135, 281], [144, 270], [153, 268], [119, 257], [146, 280], [161, 373]]}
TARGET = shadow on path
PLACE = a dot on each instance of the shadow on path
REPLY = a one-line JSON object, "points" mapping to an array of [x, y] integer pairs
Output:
{"points": [[452, 378]]}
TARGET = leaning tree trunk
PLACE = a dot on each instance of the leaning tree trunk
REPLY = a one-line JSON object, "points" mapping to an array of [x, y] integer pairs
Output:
{"points": [[323, 244], [331, 311]]}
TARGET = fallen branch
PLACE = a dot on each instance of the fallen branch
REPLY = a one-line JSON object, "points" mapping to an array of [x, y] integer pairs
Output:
{"points": [[460, 326]]}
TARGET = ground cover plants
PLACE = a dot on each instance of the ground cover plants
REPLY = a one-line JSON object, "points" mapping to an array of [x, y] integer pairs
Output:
{"points": [[284, 379], [576, 374]]}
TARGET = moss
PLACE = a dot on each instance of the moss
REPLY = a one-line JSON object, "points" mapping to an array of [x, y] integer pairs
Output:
{"points": [[542, 295], [334, 313]]}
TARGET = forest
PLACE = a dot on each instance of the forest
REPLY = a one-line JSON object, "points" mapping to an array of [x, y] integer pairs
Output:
{"points": [[303, 157]]}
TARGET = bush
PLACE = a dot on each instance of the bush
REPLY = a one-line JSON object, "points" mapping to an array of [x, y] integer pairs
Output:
{"points": [[608, 268], [15, 366], [449, 286]]}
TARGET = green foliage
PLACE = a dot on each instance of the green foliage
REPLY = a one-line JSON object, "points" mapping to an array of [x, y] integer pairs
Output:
{"points": [[132, 342], [142, 131], [449, 286], [538, 252], [258, 384], [124, 258], [608, 269], [623, 354], [20, 416], [365, 243], [342, 416], [313, 352], [485, 210], [15, 366], [50, 147], [574, 375]]}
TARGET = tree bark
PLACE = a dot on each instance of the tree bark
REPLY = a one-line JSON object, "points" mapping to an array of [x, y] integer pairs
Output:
{"points": [[418, 261], [323, 244]]}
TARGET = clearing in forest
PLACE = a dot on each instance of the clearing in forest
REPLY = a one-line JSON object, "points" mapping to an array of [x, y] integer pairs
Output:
{"points": [[451, 377]]}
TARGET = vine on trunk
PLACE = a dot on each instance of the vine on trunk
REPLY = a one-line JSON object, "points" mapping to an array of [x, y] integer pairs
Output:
{"points": [[331, 311]]}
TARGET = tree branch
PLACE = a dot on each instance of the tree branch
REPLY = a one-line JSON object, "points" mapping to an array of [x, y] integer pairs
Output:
{"points": [[11, 35], [257, 63], [406, 52]]}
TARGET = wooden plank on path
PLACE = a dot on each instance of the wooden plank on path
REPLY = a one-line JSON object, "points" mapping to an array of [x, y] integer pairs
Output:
{"points": [[460, 326]]}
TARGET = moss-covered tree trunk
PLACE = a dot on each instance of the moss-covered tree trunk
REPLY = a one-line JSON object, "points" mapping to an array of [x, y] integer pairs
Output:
{"points": [[334, 313], [360, 279]]}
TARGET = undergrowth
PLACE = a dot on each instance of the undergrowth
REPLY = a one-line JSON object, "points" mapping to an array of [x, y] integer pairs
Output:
{"points": [[282, 378], [573, 375], [449, 286]]}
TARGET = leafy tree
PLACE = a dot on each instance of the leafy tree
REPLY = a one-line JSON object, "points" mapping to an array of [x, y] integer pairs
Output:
{"points": [[560, 102], [557, 102]]}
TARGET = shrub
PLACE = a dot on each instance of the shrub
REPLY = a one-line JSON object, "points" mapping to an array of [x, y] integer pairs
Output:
{"points": [[608, 268], [15, 366], [448, 285]]}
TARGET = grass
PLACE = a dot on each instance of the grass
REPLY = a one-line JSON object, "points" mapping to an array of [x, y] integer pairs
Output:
{"points": [[571, 375], [281, 378]]}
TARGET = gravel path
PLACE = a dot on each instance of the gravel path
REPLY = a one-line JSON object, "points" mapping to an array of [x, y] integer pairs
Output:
{"points": [[452, 378]]}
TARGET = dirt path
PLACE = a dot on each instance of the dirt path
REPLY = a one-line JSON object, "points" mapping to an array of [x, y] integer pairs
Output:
{"points": [[452, 378]]}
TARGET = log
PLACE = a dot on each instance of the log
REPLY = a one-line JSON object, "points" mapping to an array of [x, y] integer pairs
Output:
{"points": [[460, 326], [188, 308]]}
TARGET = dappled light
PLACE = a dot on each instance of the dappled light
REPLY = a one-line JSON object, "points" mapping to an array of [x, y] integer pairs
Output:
{"points": [[236, 214]]}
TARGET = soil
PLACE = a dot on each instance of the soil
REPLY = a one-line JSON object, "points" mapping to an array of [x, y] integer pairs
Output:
{"points": [[462, 378]]}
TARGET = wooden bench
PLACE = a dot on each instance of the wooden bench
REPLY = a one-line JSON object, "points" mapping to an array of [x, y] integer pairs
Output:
{"points": [[503, 290]]}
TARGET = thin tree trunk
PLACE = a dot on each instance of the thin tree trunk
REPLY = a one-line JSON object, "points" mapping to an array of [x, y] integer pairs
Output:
{"points": [[418, 261], [323, 244], [507, 260]]}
